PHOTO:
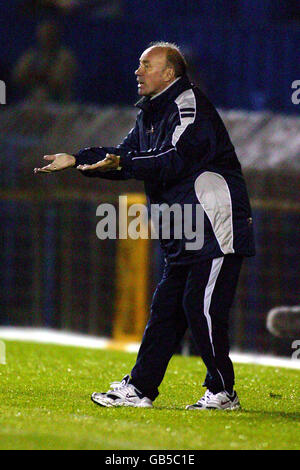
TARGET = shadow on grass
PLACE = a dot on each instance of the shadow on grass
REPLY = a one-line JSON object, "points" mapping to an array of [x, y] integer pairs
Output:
{"points": [[288, 415], [247, 412]]}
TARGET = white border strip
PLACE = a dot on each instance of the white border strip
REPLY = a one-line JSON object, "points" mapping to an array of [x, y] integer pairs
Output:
{"points": [[44, 335], [47, 336]]}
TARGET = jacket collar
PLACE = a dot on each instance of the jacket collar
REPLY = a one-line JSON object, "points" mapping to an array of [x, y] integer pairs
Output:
{"points": [[170, 94]]}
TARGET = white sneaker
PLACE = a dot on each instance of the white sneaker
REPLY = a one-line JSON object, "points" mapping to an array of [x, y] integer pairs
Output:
{"points": [[218, 401], [122, 394]]}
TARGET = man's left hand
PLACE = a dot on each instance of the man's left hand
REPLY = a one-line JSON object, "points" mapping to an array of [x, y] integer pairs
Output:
{"points": [[110, 162]]}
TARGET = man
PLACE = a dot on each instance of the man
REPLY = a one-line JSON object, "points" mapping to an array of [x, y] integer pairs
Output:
{"points": [[47, 72], [180, 148]]}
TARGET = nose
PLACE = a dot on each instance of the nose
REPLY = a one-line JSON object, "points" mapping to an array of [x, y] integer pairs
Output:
{"points": [[138, 71]]}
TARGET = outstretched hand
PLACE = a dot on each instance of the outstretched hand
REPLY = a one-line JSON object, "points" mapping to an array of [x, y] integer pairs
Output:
{"points": [[110, 162], [60, 161]]}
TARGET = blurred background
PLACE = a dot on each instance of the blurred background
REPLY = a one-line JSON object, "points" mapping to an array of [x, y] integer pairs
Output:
{"points": [[68, 67]]}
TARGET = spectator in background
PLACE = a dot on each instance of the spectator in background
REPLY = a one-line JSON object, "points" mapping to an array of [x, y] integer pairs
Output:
{"points": [[95, 8], [39, 8], [47, 72]]}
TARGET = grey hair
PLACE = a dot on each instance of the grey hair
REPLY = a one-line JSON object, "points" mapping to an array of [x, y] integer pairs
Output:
{"points": [[174, 56]]}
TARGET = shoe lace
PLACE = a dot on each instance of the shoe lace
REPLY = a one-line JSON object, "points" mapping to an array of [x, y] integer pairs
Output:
{"points": [[205, 397], [117, 385], [123, 386], [122, 390]]}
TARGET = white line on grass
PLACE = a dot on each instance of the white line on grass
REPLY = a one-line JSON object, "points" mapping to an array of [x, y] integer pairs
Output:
{"points": [[65, 338]]}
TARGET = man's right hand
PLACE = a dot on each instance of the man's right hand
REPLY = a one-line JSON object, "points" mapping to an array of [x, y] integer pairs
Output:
{"points": [[60, 161]]}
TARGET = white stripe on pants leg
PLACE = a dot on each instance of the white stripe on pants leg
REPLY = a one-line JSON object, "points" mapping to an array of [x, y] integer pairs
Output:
{"points": [[214, 273]]}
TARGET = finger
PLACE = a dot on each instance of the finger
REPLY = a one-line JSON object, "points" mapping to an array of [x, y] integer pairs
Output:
{"points": [[49, 157], [41, 170], [101, 163], [86, 167], [46, 169]]}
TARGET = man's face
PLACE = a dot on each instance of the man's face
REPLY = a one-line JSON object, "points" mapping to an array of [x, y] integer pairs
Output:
{"points": [[153, 74]]}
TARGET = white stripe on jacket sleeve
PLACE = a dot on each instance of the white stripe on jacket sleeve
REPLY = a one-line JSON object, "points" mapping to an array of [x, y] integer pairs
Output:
{"points": [[185, 100]]}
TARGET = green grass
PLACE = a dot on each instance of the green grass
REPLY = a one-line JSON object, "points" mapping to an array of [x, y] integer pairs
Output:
{"points": [[45, 404]]}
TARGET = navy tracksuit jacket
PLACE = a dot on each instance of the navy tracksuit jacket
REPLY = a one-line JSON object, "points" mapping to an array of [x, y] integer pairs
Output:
{"points": [[181, 150]]}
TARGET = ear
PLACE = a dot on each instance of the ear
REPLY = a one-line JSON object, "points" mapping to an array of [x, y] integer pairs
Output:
{"points": [[169, 74]]}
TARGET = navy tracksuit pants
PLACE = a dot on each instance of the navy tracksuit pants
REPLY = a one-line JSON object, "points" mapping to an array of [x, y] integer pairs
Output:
{"points": [[196, 296]]}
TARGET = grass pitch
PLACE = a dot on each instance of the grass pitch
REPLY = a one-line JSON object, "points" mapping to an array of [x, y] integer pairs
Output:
{"points": [[45, 404]]}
